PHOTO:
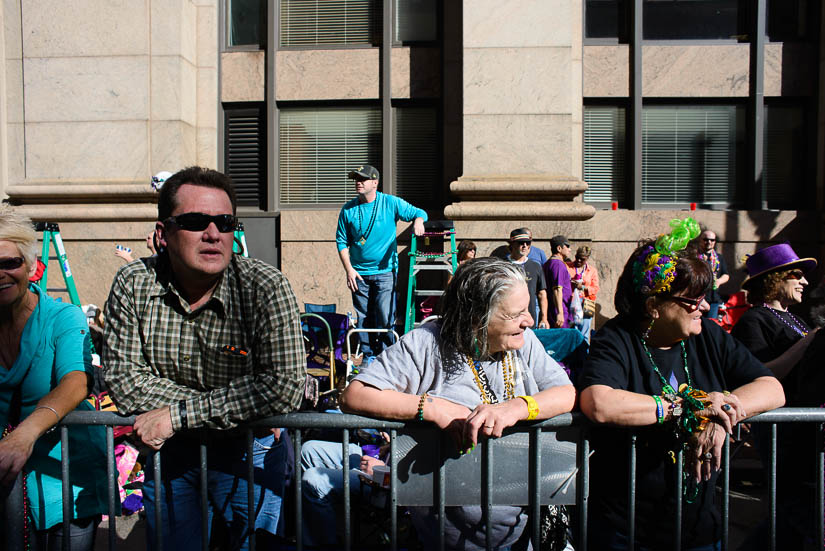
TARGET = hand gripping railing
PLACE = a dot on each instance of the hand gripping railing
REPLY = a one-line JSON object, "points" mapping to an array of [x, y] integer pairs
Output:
{"points": [[298, 422]]}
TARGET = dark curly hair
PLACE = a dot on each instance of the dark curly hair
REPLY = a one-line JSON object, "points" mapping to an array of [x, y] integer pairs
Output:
{"points": [[693, 277], [471, 297], [765, 287]]}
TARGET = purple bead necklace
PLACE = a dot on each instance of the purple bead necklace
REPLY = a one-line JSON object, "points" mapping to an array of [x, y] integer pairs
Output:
{"points": [[795, 324]]}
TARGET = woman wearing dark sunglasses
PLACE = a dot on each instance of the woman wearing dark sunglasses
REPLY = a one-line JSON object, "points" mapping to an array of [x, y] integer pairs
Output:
{"points": [[682, 382], [776, 280], [45, 365]]}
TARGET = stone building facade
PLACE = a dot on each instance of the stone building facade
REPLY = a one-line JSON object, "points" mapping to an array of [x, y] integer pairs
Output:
{"points": [[581, 117]]}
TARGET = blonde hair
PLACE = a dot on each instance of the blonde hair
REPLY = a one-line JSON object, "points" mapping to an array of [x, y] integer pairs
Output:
{"points": [[18, 229]]}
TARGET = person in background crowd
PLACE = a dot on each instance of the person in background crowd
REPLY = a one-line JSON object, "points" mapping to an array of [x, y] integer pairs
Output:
{"points": [[558, 282], [585, 278], [684, 382], [707, 252], [536, 254], [776, 280], [473, 373], [779, 339], [367, 248], [200, 338], [45, 372], [519, 248], [466, 250]]}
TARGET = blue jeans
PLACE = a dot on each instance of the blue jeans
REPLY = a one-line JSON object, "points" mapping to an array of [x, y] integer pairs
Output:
{"points": [[584, 328], [713, 313], [373, 302], [226, 489], [322, 487]]}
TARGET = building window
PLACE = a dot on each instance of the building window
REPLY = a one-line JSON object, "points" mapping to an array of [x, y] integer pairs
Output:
{"points": [[245, 152], [693, 20], [604, 153], [787, 20], [317, 148], [784, 159], [416, 21], [691, 153], [330, 22], [416, 154], [246, 23], [603, 19]]}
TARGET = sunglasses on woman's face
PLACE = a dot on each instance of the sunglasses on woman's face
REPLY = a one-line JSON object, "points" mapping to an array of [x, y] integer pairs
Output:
{"points": [[692, 303], [795, 274], [197, 221], [10, 264]]}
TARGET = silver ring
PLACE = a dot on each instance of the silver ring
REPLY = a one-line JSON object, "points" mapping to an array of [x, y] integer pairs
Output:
{"points": [[708, 456], [726, 407]]}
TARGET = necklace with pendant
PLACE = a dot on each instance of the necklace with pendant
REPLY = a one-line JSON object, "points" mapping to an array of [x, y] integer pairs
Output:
{"points": [[483, 384], [365, 235]]}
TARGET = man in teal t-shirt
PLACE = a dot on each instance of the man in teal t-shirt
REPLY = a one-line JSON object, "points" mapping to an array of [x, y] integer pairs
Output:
{"points": [[367, 247]]}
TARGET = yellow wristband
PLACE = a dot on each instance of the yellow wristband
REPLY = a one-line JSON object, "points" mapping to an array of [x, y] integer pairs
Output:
{"points": [[532, 407]]}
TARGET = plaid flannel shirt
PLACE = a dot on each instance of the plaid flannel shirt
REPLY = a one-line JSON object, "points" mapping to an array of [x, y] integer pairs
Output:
{"points": [[158, 351]]}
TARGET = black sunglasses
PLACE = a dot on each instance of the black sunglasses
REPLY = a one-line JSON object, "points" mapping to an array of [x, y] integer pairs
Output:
{"points": [[795, 274], [708, 239], [9, 264], [197, 221], [692, 303]]}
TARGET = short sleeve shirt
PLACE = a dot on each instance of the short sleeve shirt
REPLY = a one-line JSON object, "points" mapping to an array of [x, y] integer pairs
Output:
{"points": [[716, 362]]}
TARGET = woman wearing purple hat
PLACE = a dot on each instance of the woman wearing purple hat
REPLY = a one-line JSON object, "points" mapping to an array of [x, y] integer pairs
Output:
{"points": [[776, 279], [779, 339]]}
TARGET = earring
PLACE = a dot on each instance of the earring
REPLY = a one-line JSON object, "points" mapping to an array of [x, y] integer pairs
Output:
{"points": [[476, 351], [646, 332]]}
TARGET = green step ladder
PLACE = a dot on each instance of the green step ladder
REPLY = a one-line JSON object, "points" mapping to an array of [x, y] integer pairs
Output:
{"points": [[51, 236], [239, 242], [446, 261]]}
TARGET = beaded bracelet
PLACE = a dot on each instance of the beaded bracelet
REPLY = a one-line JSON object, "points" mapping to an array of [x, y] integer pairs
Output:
{"points": [[660, 410], [420, 415], [184, 421]]}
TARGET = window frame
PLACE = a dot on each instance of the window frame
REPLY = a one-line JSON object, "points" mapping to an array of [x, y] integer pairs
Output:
{"points": [[224, 27], [621, 103]]}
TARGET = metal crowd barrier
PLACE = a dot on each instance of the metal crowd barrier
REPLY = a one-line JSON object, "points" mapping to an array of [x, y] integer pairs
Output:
{"points": [[297, 423]]}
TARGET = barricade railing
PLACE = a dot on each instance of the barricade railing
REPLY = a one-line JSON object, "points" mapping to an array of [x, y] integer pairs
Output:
{"points": [[297, 423]]}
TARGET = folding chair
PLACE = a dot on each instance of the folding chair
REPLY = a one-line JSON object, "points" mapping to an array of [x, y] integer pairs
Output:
{"points": [[324, 336]]}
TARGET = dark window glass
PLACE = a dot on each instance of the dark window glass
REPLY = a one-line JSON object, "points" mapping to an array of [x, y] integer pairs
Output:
{"points": [[416, 154], [416, 20], [784, 159], [694, 19], [691, 153], [603, 19], [604, 153], [245, 152], [247, 22], [787, 20]]}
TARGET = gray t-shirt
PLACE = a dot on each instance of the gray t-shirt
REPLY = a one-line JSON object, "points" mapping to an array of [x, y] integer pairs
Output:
{"points": [[413, 365]]}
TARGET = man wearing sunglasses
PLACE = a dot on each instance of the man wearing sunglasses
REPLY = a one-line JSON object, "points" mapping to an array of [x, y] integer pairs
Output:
{"points": [[707, 252], [520, 244], [368, 251], [199, 341]]}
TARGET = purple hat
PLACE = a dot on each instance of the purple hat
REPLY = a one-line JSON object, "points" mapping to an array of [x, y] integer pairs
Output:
{"points": [[774, 258]]}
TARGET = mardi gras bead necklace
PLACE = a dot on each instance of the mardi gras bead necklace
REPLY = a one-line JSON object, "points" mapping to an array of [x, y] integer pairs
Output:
{"points": [[365, 235], [794, 324], [483, 384]]}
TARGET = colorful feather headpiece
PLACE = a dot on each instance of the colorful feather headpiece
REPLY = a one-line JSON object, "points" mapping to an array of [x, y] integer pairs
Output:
{"points": [[655, 267]]}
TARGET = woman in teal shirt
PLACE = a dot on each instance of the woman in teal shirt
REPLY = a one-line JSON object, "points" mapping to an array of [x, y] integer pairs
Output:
{"points": [[45, 368]]}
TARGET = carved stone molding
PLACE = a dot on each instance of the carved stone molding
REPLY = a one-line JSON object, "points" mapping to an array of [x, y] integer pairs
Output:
{"points": [[526, 197]]}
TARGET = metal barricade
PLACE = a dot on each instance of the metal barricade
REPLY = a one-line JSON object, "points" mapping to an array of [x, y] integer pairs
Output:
{"points": [[297, 423]]}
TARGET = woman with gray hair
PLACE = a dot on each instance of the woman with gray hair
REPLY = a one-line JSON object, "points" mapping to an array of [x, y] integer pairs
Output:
{"points": [[45, 368], [473, 373]]}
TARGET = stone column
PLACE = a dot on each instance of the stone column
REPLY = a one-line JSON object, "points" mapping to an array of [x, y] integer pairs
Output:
{"points": [[522, 112]]}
